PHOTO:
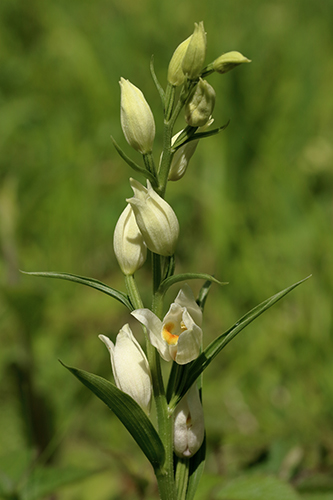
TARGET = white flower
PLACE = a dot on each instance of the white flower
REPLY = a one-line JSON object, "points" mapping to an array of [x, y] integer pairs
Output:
{"points": [[137, 120], [130, 367], [128, 243], [179, 335], [189, 425], [157, 221]]}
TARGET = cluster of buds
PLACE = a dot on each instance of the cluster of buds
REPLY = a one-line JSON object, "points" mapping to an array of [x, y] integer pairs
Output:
{"points": [[149, 223]]}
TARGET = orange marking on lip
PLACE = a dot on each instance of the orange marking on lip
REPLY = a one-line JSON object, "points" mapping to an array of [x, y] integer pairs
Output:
{"points": [[169, 337]]}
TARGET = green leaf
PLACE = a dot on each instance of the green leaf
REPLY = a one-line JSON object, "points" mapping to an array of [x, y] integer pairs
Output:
{"points": [[133, 165], [215, 347], [196, 136], [157, 83], [165, 285], [197, 464], [257, 488], [46, 480], [98, 285], [203, 294], [129, 413]]}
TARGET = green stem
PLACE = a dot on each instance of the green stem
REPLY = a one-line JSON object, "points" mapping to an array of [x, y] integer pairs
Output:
{"points": [[133, 291], [182, 474], [165, 477], [149, 162]]}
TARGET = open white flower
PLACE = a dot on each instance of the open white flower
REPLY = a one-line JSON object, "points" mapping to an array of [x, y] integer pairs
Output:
{"points": [[179, 336], [189, 425], [130, 367]]}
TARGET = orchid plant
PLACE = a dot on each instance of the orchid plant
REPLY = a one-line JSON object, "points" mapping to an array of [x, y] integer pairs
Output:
{"points": [[176, 446]]}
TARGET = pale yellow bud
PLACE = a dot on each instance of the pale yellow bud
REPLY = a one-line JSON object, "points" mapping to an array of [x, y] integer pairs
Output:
{"points": [[137, 120], [175, 73], [200, 105], [196, 52], [128, 243], [228, 61]]}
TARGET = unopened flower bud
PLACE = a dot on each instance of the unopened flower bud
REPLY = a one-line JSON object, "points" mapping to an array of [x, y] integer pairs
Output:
{"points": [[228, 61], [182, 156], [155, 218], [189, 425], [175, 73], [130, 367], [200, 104], [128, 243], [196, 52], [137, 120]]}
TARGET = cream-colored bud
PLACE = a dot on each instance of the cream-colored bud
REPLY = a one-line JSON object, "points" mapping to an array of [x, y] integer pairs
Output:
{"points": [[189, 424], [137, 120], [130, 367], [182, 156], [228, 61], [128, 243], [181, 160], [175, 73], [200, 104], [196, 52], [155, 218]]}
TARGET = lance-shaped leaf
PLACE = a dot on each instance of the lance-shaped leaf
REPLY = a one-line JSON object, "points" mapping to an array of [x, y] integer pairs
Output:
{"points": [[98, 285], [157, 83], [196, 136], [171, 280], [196, 468], [215, 347], [129, 413], [134, 165]]}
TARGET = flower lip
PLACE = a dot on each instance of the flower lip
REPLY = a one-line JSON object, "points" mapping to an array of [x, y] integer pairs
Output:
{"points": [[179, 336]]}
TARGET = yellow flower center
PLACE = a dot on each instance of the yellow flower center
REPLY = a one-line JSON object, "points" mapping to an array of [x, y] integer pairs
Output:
{"points": [[169, 337]]}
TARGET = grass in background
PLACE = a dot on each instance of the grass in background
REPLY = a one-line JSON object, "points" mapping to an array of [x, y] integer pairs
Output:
{"points": [[255, 209]]}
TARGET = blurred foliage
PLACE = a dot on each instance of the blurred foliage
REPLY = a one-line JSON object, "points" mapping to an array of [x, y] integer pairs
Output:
{"points": [[255, 209]]}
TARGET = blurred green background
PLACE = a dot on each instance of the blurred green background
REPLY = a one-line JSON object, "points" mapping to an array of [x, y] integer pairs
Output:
{"points": [[255, 209]]}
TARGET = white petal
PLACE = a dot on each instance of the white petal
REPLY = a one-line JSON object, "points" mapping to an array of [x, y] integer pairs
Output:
{"points": [[189, 342], [185, 298], [154, 327]]}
